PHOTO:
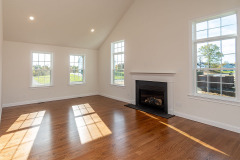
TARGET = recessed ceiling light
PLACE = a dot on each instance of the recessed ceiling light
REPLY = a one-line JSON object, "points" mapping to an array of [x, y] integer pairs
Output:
{"points": [[31, 18], [92, 30]]}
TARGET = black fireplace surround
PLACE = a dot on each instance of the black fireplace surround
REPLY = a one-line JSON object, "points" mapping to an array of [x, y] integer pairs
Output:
{"points": [[151, 97], [148, 89]]}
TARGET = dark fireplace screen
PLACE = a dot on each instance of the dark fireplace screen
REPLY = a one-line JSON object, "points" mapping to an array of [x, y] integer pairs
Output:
{"points": [[151, 98]]}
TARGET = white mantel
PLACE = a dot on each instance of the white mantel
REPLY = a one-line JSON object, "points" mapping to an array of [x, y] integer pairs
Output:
{"points": [[168, 77]]}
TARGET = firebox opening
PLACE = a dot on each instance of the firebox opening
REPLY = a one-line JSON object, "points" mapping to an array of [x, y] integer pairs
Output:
{"points": [[151, 98]]}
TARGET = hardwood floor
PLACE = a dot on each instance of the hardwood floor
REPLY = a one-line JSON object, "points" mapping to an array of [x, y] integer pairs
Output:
{"points": [[104, 129]]}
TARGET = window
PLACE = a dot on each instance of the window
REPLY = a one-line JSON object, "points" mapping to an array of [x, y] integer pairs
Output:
{"points": [[118, 63], [41, 69], [77, 69], [214, 56]]}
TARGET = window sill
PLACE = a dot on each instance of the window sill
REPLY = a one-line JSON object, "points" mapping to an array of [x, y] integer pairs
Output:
{"points": [[35, 87], [215, 99], [77, 83], [117, 85]]}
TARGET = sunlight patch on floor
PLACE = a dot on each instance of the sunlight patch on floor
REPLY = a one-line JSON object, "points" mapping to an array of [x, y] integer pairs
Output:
{"points": [[27, 120], [18, 142], [90, 126], [186, 134]]}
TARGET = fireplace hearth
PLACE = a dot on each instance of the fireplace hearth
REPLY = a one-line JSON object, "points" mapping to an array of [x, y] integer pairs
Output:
{"points": [[151, 97]]}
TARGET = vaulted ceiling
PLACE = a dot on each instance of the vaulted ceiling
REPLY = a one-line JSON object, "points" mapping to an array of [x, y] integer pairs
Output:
{"points": [[62, 22]]}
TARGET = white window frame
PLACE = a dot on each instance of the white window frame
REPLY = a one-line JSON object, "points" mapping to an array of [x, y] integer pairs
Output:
{"points": [[112, 63], [51, 68], [193, 93], [84, 70]]}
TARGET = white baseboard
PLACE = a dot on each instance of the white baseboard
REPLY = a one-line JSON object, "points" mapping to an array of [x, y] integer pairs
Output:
{"points": [[116, 98], [209, 122], [47, 100]]}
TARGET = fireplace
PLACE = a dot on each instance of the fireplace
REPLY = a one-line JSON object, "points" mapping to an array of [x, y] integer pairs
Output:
{"points": [[152, 97], [152, 94]]}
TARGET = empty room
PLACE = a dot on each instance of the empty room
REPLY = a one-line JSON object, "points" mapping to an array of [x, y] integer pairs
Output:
{"points": [[119, 79]]}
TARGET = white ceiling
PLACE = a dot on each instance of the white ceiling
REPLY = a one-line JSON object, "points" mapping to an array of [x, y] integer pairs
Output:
{"points": [[62, 22]]}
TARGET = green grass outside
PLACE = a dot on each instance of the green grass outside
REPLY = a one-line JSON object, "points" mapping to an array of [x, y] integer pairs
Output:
{"points": [[75, 78], [42, 79], [46, 79], [119, 75]]}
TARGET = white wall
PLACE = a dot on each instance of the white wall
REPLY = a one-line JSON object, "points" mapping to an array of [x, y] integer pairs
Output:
{"points": [[1, 48], [17, 71], [156, 35]]}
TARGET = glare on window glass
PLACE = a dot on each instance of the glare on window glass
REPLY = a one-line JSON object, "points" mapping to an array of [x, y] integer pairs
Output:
{"points": [[35, 57], [215, 23], [229, 46], [47, 57], [201, 26], [41, 57], [229, 20]]}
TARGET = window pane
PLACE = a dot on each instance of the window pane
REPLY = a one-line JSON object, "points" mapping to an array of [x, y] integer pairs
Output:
{"points": [[119, 44], [202, 34], [199, 46], [202, 76], [75, 65], [228, 76], [47, 57], [47, 80], [214, 32], [35, 57], [228, 83], [202, 62], [228, 61], [215, 62], [76, 58], [228, 90], [41, 64], [71, 77], [228, 20], [35, 65], [119, 58], [214, 76], [216, 43], [228, 46], [214, 23], [201, 87], [71, 65], [48, 64], [71, 59], [118, 77], [201, 26], [229, 30], [80, 59], [41, 57], [214, 88]]}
